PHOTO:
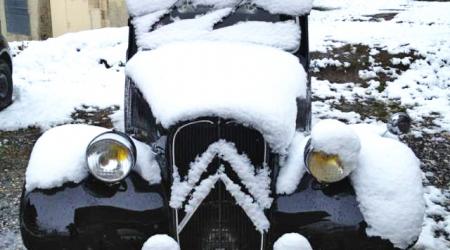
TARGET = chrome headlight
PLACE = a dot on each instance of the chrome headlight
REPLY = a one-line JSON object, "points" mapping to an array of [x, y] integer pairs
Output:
{"points": [[111, 156]]}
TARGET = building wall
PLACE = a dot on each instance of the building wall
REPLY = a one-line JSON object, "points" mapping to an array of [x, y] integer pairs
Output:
{"points": [[69, 16], [51, 18], [77, 15], [117, 13], [40, 21]]}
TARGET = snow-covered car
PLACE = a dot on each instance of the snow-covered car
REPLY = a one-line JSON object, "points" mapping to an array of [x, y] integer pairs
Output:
{"points": [[6, 82], [219, 152]]}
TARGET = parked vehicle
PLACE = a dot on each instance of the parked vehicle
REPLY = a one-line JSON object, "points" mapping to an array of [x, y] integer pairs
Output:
{"points": [[209, 179], [6, 69]]}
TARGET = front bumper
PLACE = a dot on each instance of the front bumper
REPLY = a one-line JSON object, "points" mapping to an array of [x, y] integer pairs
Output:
{"points": [[91, 215]]}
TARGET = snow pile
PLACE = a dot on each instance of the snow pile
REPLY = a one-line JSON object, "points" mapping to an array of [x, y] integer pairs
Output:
{"points": [[282, 35], [292, 166], [255, 85], [288, 7], [336, 138], [388, 186], [292, 241], [59, 155], [257, 182], [142, 7], [161, 242], [50, 83], [144, 23]]}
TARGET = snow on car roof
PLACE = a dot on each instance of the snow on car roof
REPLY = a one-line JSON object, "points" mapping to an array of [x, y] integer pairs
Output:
{"points": [[282, 35], [287, 7], [255, 85]]}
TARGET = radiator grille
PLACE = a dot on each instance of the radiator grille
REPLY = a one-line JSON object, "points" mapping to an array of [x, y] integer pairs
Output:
{"points": [[219, 223]]}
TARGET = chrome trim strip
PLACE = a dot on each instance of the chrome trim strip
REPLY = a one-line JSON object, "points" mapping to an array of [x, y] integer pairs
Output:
{"points": [[173, 162], [262, 241], [188, 216]]}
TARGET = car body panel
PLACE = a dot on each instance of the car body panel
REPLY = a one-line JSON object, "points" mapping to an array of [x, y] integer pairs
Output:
{"points": [[92, 214]]}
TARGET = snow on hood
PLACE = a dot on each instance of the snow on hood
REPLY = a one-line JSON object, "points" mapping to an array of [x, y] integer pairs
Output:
{"points": [[58, 157], [287, 7], [255, 85]]}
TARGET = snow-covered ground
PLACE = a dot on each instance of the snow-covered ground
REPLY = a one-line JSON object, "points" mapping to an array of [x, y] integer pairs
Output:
{"points": [[402, 62]]}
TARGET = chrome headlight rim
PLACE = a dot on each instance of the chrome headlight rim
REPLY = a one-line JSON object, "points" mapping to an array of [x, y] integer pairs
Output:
{"points": [[119, 138]]}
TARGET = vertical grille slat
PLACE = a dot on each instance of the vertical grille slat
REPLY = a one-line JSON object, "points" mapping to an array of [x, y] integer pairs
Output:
{"points": [[219, 223]]}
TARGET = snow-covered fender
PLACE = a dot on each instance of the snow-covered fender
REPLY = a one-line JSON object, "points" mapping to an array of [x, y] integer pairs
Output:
{"points": [[328, 216], [63, 207], [381, 199]]}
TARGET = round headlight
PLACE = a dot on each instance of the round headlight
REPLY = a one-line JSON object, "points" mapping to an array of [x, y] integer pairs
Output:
{"points": [[111, 156], [325, 168]]}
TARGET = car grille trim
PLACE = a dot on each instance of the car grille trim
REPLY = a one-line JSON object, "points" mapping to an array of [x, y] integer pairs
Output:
{"points": [[252, 141]]}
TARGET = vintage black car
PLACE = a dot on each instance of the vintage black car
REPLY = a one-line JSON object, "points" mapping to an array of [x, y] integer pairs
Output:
{"points": [[103, 211], [6, 69]]}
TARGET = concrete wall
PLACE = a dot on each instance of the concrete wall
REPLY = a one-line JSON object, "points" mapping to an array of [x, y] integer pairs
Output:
{"points": [[51, 18], [77, 15], [69, 16], [117, 13]]}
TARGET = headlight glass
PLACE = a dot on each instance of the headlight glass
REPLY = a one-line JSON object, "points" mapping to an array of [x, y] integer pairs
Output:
{"points": [[111, 156], [325, 168]]}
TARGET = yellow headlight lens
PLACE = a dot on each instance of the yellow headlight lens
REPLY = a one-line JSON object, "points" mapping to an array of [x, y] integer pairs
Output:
{"points": [[325, 168]]}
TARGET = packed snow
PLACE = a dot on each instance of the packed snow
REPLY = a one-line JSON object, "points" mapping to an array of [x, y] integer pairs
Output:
{"points": [[333, 137], [161, 242], [142, 7], [282, 35], [292, 241], [59, 157], [388, 185], [288, 7], [269, 83], [292, 166], [286, 34]]}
